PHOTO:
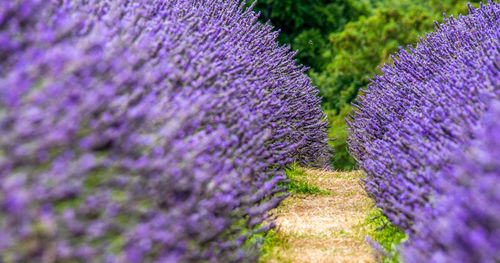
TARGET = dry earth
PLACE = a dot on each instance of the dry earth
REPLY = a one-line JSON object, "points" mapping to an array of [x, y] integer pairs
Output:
{"points": [[324, 228]]}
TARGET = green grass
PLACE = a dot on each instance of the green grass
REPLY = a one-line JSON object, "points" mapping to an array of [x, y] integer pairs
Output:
{"points": [[298, 184], [384, 233], [274, 242]]}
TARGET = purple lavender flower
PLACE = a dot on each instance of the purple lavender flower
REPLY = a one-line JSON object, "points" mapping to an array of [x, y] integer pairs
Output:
{"points": [[464, 226], [413, 117], [145, 131]]}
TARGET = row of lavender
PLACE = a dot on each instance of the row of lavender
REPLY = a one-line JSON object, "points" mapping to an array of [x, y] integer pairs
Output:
{"points": [[427, 134], [145, 131]]}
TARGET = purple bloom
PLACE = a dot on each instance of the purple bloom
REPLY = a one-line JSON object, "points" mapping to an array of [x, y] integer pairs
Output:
{"points": [[413, 117], [464, 225], [154, 130]]}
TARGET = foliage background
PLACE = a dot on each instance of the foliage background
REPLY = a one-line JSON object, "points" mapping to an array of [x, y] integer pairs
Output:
{"points": [[344, 41]]}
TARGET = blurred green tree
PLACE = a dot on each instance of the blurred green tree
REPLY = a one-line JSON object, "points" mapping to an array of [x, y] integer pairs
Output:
{"points": [[306, 24], [354, 53], [344, 42]]}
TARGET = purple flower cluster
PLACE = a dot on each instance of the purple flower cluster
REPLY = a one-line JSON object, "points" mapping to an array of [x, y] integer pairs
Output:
{"points": [[412, 118], [145, 131], [465, 224]]}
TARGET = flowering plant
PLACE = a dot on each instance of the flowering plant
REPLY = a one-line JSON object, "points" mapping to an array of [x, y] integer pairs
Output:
{"points": [[145, 131]]}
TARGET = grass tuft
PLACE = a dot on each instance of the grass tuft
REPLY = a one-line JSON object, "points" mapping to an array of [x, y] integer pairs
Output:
{"points": [[298, 185], [385, 235], [274, 243]]}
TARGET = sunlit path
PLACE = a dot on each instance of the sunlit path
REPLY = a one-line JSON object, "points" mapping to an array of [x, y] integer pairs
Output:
{"points": [[326, 227]]}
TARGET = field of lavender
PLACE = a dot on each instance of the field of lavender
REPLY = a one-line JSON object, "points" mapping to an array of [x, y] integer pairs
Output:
{"points": [[426, 134], [161, 130]]}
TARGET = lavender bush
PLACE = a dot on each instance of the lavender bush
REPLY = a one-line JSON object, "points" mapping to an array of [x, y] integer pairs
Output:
{"points": [[465, 224], [145, 131], [412, 117]]}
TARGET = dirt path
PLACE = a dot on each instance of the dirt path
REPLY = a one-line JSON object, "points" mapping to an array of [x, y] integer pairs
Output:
{"points": [[324, 228]]}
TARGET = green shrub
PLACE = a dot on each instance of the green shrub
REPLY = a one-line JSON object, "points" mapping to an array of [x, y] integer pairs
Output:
{"points": [[341, 159], [354, 53], [304, 21]]}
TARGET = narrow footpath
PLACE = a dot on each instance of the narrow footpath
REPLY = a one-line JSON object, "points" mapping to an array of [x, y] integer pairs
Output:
{"points": [[325, 227]]}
